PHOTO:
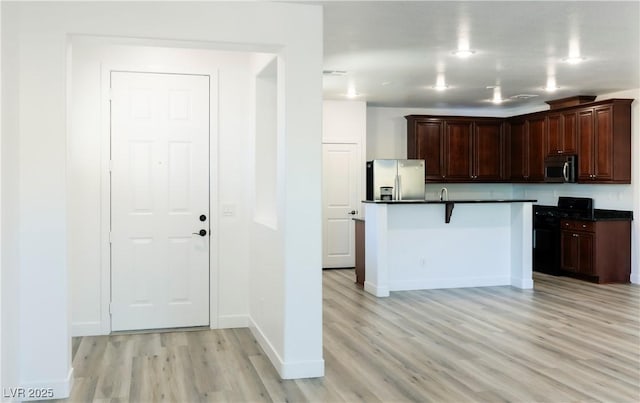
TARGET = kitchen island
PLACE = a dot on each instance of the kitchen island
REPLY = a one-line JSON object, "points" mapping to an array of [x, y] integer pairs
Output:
{"points": [[414, 245]]}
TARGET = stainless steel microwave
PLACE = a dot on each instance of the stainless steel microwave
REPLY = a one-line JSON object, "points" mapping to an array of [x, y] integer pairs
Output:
{"points": [[560, 169]]}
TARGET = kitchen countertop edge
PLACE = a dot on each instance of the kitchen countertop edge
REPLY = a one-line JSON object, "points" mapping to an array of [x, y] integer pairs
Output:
{"points": [[460, 201]]}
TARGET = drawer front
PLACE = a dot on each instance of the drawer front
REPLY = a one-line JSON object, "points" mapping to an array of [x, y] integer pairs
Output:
{"points": [[572, 225]]}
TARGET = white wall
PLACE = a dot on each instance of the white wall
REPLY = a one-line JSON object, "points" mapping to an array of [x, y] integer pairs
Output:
{"points": [[9, 218], [38, 146], [346, 122], [230, 70], [386, 138]]}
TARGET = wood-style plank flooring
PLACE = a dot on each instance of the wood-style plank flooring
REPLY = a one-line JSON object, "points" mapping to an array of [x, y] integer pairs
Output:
{"points": [[564, 341]]}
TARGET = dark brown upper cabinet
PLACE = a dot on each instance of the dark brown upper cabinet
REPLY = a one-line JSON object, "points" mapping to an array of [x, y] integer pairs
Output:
{"points": [[458, 149], [604, 142], [479, 149], [536, 129], [518, 145], [526, 146], [424, 141], [561, 136]]}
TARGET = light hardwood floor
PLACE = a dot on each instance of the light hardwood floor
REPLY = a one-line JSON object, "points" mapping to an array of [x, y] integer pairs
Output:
{"points": [[564, 341]]}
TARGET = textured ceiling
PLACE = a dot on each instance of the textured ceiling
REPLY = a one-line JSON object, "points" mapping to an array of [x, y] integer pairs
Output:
{"points": [[395, 52]]}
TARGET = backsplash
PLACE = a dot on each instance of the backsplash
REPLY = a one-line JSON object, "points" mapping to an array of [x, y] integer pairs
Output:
{"points": [[615, 197], [469, 191]]}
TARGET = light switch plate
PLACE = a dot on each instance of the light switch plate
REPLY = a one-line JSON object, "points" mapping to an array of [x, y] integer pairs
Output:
{"points": [[228, 210]]}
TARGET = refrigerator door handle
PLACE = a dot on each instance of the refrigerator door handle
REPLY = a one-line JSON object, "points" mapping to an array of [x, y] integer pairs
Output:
{"points": [[399, 187]]}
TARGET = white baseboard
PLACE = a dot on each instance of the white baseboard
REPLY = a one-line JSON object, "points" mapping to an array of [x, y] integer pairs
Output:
{"points": [[635, 278], [79, 329], [57, 389], [286, 370], [462, 282], [524, 283], [233, 321], [375, 290]]}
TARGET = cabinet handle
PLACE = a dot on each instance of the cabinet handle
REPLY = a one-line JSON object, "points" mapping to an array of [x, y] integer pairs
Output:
{"points": [[559, 151], [584, 226], [575, 235]]}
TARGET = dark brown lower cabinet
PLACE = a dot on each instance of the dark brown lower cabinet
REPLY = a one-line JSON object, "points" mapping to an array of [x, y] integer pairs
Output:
{"points": [[598, 251], [360, 252]]}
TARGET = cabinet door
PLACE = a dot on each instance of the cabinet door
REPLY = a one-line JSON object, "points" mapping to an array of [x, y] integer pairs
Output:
{"points": [[586, 135], [569, 130], [536, 129], [603, 143], [555, 135], [585, 253], [429, 148], [518, 147], [569, 251], [488, 151], [458, 145]]}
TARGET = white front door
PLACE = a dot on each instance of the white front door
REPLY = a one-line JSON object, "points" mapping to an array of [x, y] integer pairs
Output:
{"points": [[159, 200], [340, 200]]}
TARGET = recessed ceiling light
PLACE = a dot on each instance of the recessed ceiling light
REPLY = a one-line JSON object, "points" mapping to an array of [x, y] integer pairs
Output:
{"points": [[463, 53], [352, 93], [574, 59], [440, 87]]}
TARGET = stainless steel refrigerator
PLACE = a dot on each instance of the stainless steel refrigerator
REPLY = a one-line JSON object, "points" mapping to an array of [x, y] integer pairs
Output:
{"points": [[395, 180]]}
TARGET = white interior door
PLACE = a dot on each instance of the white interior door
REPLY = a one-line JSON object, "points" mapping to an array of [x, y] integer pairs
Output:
{"points": [[159, 191], [341, 200]]}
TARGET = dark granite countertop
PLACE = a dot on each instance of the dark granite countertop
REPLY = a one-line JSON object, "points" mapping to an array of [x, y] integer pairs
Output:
{"points": [[612, 215], [456, 201], [600, 215]]}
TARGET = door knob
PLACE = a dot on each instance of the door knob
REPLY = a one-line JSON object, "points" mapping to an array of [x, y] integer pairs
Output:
{"points": [[202, 232], [353, 212], [203, 217]]}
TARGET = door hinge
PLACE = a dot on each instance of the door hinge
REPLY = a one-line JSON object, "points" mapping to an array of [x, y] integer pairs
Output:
{"points": [[110, 238], [110, 308], [110, 165], [110, 94]]}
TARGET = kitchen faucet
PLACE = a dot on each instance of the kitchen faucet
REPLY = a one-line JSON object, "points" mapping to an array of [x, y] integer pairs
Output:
{"points": [[444, 194]]}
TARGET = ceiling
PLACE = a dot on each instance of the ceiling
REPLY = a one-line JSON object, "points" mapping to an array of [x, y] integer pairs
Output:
{"points": [[394, 53]]}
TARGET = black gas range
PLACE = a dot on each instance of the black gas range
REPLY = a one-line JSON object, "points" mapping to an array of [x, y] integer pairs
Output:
{"points": [[546, 230]]}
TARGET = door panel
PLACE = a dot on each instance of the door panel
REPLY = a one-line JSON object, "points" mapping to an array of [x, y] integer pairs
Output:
{"points": [[555, 144], [536, 129], [429, 145], [569, 251], [569, 131], [340, 194], [603, 143], [488, 151], [518, 163], [586, 134], [159, 189], [458, 145]]}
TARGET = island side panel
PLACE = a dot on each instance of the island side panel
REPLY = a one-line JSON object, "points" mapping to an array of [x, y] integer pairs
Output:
{"points": [[376, 252], [521, 241], [424, 252]]}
